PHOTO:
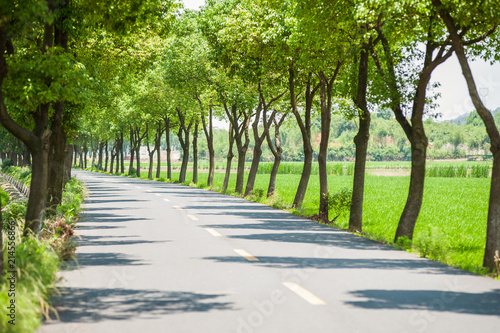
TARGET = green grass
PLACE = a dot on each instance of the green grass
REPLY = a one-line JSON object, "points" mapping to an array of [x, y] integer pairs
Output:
{"points": [[451, 227], [37, 259]]}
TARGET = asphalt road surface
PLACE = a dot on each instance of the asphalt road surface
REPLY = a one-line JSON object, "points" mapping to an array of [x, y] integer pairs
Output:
{"points": [[157, 257]]}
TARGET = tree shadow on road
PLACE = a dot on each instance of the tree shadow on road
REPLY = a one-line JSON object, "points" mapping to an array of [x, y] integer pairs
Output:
{"points": [[288, 263], [101, 259], [94, 305], [487, 303], [333, 238]]}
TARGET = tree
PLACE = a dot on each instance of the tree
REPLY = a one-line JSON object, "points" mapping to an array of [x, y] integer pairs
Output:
{"points": [[56, 80], [430, 34], [478, 20]]}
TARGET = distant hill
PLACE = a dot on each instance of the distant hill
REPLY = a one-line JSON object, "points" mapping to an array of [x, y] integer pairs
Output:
{"points": [[461, 120]]}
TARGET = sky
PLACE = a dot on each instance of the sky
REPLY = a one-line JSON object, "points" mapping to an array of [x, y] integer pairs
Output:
{"points": [[454, 100]]}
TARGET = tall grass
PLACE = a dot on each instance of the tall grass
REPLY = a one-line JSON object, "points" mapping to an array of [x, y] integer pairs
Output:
{"points": [[37, 259], [295, 168], [458, 171]]}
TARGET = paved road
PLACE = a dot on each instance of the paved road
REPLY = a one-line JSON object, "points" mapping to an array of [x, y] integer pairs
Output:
{"points": [[156, 257]]}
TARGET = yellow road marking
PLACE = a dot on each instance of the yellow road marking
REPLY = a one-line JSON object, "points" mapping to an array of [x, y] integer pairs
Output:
{"points": [[192, 217], [246, 255], [304, 293], [213, 232], [177, 207]]}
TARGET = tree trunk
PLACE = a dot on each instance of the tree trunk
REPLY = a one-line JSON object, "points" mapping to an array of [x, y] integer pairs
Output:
{"points": [[415, 194], [185, 155], [242, 146], [257, 150], [326, 119], [80, 163], [240, 171], [122, 164], [112, 160], [38, 187], [151, 164], [94, 151], [138, 157], [57, 151], [195, 153], [118, 155], [184, 141], [169, 149], [100, 159], [305, 129], [361, 142], [67, 167], [138, 143], [304, 178], [157, 148], [132, 151], [57, 157], [277, 152], [229, 159], [27, 156], [209, 134], [106, 153]]}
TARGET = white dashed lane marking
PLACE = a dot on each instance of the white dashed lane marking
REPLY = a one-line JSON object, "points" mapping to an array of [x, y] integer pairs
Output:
{"points": [[246, 255], [213, 232], [304, 293]]}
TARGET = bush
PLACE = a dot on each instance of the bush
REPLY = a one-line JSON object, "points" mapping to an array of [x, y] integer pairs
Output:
{"points": [[70, 206], [339, 203], [257, 194], [4, 197], [6, 164], [15, 212]]}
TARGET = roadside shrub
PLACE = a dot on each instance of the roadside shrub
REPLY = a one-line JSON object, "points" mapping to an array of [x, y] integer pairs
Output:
{"points": [[257, 194], [15, 211], [339, 203], [6, 164], [22, 174], [429, 244], [403, 243], [4, 197], [59, 234], [70, 206]]}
